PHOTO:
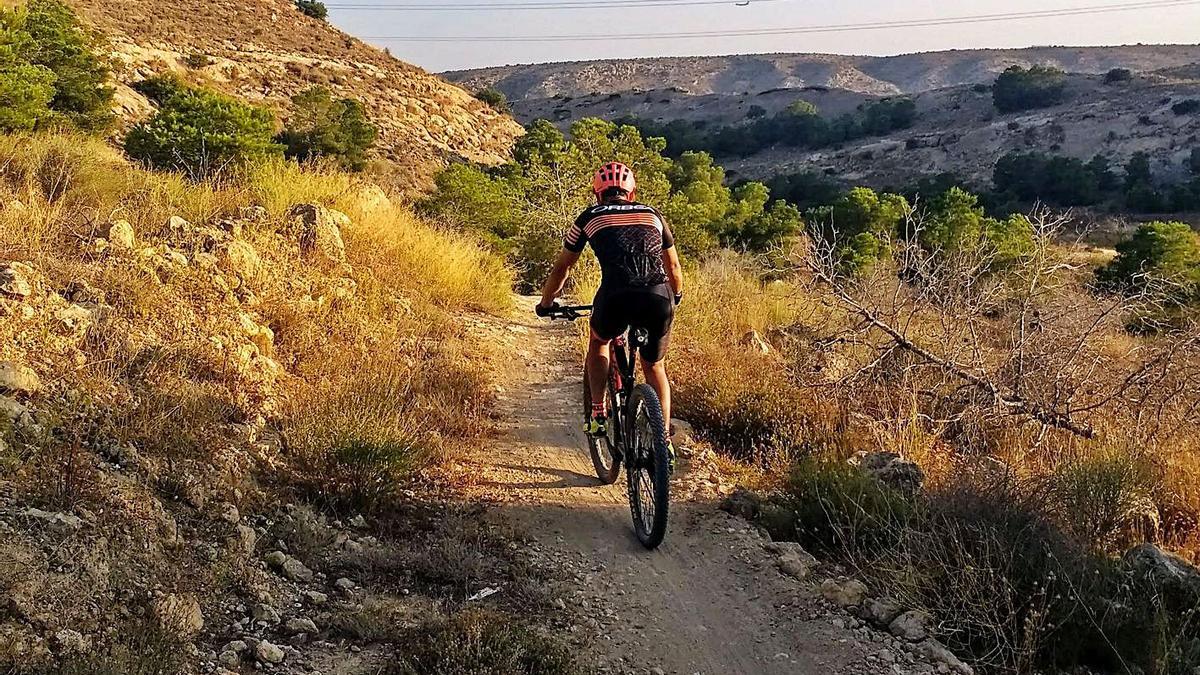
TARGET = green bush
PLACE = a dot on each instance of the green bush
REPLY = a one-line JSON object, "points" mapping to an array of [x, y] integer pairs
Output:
{"points": [[25, 95], [495, 99], [322, 126], [836, 507], [49, 71], [1186, 107], [313, 8], [1019, 89], [1118, 75], [1156, 251], [200, 132], [1056, 180]]}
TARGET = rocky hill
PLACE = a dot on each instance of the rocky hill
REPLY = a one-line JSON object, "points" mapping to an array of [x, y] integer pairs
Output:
{"points": [[266, 51], [957, 129], [755, 73]]}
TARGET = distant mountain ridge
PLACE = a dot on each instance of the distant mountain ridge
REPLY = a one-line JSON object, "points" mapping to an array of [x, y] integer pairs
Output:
{"points": [[753, 73]]}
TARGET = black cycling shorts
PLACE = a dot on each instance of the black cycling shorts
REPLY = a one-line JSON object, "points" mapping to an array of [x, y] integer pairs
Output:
{"points": [[652, 308]]}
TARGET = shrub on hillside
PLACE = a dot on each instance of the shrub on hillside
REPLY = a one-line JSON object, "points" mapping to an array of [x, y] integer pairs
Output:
{"points": [[1118, 75], [477, 641], [313, 8], [1193, 161], [1186, 107], [200, 132], [26, 92], [44, 49], [322, 126], [1157, 252], [495, 99], [1053, 179], [1019, 89]]}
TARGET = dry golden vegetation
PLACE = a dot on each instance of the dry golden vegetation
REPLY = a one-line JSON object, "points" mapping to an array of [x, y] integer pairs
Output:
{"points": [[1051, 444], [177, 361]]}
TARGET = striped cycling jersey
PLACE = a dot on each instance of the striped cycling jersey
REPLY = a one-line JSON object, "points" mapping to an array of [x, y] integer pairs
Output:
{"points": [[628, 239]]}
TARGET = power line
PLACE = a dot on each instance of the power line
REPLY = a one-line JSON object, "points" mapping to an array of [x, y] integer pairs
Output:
{"points": [[800, 30], [560, 5], [552, 5]]}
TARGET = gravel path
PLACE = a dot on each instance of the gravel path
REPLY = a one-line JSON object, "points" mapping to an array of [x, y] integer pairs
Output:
{"points": [[709, 600]]}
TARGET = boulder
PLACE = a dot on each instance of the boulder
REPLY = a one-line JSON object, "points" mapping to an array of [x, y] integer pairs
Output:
{"points": [[119, 234], [881, 611], [179, 227], [937, 652], [289, 567], [793, 560], [75, 318], [1170, 575], [63, 522], [300, 625], [892, 470], [849, 593], [16, 280], [240, 259], [244, 540], [11, 409], [912, 625], [179, 615], [316, 229], [315, 597], [682, 432], [268, 653], [743, 503], [265, 613]]}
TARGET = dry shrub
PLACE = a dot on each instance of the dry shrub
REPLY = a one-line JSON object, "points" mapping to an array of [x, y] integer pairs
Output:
{"points": [[478, 642]]}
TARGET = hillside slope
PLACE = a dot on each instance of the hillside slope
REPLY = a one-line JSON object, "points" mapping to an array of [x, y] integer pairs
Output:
{"points": [[266, 51], [754, 73]]}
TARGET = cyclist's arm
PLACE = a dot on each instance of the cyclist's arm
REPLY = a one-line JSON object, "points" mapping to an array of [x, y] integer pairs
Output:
{"points": [[558, 276], [670, 258]]}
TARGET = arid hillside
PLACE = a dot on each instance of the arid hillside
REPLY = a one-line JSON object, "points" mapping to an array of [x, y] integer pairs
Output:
{"points": [[957, 129], [754, 73], [267, 51]]}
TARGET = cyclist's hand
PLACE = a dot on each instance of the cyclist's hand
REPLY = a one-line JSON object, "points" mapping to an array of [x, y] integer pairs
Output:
{"points": [[544, 311]]}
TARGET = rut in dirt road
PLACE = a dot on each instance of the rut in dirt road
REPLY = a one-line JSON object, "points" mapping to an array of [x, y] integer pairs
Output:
{"points": [[709, 601]]}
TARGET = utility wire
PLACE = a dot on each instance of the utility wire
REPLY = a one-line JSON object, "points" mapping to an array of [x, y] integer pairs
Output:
{"points": [[800, 30], [553, 5]]}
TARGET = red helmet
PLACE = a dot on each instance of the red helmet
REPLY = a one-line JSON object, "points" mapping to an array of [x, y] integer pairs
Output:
{"points": [[614, 175]]}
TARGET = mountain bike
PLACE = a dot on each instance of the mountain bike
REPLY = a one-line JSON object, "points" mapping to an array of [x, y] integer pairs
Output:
{"points": [[636, 434]]}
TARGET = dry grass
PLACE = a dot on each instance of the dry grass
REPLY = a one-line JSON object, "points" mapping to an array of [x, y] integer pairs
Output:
{"points": [[1075, 441], [190, 385]]}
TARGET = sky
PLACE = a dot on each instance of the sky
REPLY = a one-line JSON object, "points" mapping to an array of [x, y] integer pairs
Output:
{"points": [[1179, 23]]}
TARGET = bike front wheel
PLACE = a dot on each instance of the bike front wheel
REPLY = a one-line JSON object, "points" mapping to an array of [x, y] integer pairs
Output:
{"points": [[648, 467]]}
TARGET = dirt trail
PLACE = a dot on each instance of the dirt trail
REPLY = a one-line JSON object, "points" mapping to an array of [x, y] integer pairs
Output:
{"points": [[709, 600]]}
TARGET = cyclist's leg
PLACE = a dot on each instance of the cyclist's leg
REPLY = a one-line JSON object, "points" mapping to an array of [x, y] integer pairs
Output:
{"points": [[606, 324], [656, 377], [656, 312], [598, 360]]}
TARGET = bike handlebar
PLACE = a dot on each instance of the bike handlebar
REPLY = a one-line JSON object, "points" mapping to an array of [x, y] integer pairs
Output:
{"points": [[567, 313]]}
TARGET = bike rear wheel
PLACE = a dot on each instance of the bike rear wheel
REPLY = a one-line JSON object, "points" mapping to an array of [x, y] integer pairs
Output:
{"points": [[648, 468], [605, 459]]}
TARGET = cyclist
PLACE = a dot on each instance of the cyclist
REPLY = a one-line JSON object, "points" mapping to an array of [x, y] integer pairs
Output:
{"points": [[642, 282]]}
